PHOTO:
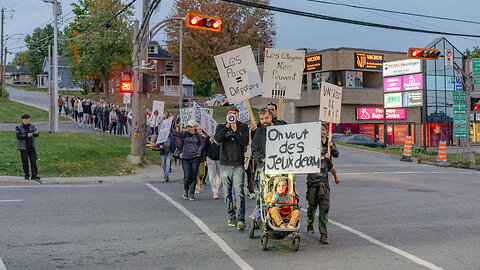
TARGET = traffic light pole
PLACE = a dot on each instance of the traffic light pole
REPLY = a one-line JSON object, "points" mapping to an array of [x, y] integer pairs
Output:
{"points": [[180, 78]]}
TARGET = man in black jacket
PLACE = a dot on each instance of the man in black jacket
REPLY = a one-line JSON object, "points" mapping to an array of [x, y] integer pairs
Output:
{"points": [[233, 137], [260, 139], [26, 134]]}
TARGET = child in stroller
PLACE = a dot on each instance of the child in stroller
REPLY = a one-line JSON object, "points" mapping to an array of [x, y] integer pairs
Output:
{"points": [[277, 214]]}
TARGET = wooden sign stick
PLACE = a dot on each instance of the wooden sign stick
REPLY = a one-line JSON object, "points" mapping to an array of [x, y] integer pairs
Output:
{"points": [[280, 109], [329, 136], [250, 111]]}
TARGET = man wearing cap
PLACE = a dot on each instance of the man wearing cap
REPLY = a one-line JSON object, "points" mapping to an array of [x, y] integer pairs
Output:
{"points": [[26, 134]]}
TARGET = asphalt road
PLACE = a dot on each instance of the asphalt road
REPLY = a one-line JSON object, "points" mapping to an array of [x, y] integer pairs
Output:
{"points": [[385, 214], [36, 99]]}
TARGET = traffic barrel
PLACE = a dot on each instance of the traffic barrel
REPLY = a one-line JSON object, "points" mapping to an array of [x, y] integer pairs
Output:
{"points": [[407, 149], [442, 154]]}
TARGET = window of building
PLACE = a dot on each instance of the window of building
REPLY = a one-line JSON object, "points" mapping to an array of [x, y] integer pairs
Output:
{"points": [[170, 66], [353, 79], [169, 81], [304, 82], [319, 77]]}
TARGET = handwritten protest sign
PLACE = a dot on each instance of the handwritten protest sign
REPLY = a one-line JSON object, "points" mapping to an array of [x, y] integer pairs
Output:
{"points": [[209, 111], [239, 74], [293, 148], [185, 115], [243, 111], [164, 130], [330, 103], [204, 120], [282, 73], [158, 106]]}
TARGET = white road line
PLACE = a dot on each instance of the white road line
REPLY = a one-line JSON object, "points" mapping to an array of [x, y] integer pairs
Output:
{"points": [[364, 173], [2, 266], [11, 200], [387, 246], [222, 244], [372, 165], [55, 185]]}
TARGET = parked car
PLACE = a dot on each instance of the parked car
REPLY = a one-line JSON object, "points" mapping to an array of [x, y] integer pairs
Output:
{"points": [[340, 137], [217, 100], [188, 102], [360, 139]]}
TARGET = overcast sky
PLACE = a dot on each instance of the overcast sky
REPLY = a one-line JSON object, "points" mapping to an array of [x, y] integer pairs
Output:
{"points": [[298, 32]]}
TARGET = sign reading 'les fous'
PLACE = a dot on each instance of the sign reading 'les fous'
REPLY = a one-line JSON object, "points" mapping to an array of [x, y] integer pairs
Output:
{"points": [[282, 73], [293, 148], [239, 74], [330, 103]]}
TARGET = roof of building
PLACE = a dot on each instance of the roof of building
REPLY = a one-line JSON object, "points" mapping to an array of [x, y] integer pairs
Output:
{"points": [[16, 69], [162, 53], [187, 81]]}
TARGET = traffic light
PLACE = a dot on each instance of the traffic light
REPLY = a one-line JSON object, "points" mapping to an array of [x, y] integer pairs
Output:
{"points": [[423, 53], [204, 22], [475, 104], [126, 85]]}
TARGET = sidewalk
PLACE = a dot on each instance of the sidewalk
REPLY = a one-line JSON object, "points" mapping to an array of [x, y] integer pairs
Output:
{"points": [[148, 174]]}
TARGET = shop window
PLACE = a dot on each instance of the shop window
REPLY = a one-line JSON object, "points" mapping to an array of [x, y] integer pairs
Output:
{"points": [[318, 78], [353, 79]]}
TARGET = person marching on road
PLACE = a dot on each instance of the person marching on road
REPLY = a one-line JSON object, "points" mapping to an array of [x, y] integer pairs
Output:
{"points": [[233, 137], [318, 191], [26, 134], [272, 107]]}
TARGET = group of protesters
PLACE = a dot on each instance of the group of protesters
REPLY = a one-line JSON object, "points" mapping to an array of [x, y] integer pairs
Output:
{"points": [[101, 115], [235, 152]]}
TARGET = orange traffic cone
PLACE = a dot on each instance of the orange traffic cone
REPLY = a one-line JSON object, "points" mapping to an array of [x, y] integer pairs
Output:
{"points": [[442, 154], [407, 149]]}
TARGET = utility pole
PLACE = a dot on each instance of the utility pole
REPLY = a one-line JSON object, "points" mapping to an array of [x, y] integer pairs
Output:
{"points": [[180, 82], [1, 49], [51, 94]]}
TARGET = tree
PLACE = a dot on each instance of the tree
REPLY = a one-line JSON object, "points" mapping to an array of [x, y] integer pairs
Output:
{"points": [[474, 53], [37, 45], [205, 88], [92, 51], [19, 58], [241, 26]]}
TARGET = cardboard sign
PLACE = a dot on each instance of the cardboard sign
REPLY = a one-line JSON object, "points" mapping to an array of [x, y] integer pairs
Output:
{"points": [[185, 115], [282, 73], [204, 120], [164, 130], [294, 148], [239, 74], [330, 103], [243, 111], [158, 106]]}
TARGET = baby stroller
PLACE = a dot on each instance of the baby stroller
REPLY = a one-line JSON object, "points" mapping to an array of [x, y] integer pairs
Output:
{"points": [[261, 219]]}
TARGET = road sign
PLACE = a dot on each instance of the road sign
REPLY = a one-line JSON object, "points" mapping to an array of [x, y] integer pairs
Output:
{"points": [[458, 79], [127, 97], [476, 66], [448, 57], [459, 97], [459, 87], [460, 129], [460, 122], [476, 80], [460, 108], [460, 135]]}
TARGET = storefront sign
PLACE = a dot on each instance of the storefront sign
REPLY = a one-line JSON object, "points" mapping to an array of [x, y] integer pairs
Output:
{"points": [[282, 73], [239, 74], [392, 84], [293, 148], [313, 63], [368, 61], [401, 67], [377, 113], [393, 100], [412, 99], [412, 82]]}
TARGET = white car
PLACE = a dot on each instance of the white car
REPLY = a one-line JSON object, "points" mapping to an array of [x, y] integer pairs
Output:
{"points": [[216, 100]]}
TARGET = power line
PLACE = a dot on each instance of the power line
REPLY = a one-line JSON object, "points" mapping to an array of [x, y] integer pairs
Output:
{"points": [[396, 12], [343, 20]]}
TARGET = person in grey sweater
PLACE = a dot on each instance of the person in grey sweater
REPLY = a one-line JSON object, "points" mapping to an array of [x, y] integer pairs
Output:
{"points": [[190, 155]]}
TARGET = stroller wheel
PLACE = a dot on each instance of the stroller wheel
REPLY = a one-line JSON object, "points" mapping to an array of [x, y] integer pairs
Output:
{"points": [[264, 242], [251, 229], [296, 243]]}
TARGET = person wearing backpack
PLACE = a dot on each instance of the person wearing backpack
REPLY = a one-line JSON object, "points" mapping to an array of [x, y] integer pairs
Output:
{"points": [[190, 155]]}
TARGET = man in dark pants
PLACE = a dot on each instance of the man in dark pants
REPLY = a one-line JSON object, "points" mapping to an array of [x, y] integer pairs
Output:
{"points": [[26, 134]]}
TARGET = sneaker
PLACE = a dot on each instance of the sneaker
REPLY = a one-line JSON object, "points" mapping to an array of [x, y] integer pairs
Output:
{"points": [[197, 191], [324, 239], [232, 222], [251, 195], [191, 197], [310, 229], [27, 177], [215, 196], [167, 179], [241, 226], [35, 178], [185, 195]]}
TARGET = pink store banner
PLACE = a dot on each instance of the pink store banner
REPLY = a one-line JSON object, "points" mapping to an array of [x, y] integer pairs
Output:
{"points": [[377, 113], [392, 84], [412, 82]]}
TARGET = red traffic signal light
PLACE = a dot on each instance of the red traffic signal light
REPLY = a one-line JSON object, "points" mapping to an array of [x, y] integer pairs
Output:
{"points": [[423, 53], [204, 22], [475, 104], [126, 85]]}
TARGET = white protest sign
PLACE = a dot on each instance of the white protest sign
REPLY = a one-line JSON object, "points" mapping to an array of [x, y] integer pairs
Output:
{"points": [[243, 111], [209, 111], [185, 115], [239, 74], [330, 103], [282, 73], [204, 120], [158, 106], [294, 148], [164, 130], [127, 97]]}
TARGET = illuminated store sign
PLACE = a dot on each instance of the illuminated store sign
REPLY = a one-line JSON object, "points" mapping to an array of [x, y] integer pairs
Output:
{"points": [[313, 63], [377, 113], [368, 61]]}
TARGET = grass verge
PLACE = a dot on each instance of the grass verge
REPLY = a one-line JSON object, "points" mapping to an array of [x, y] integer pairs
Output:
{"points": [[11, 112], [424, 156], [70, 154]]}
